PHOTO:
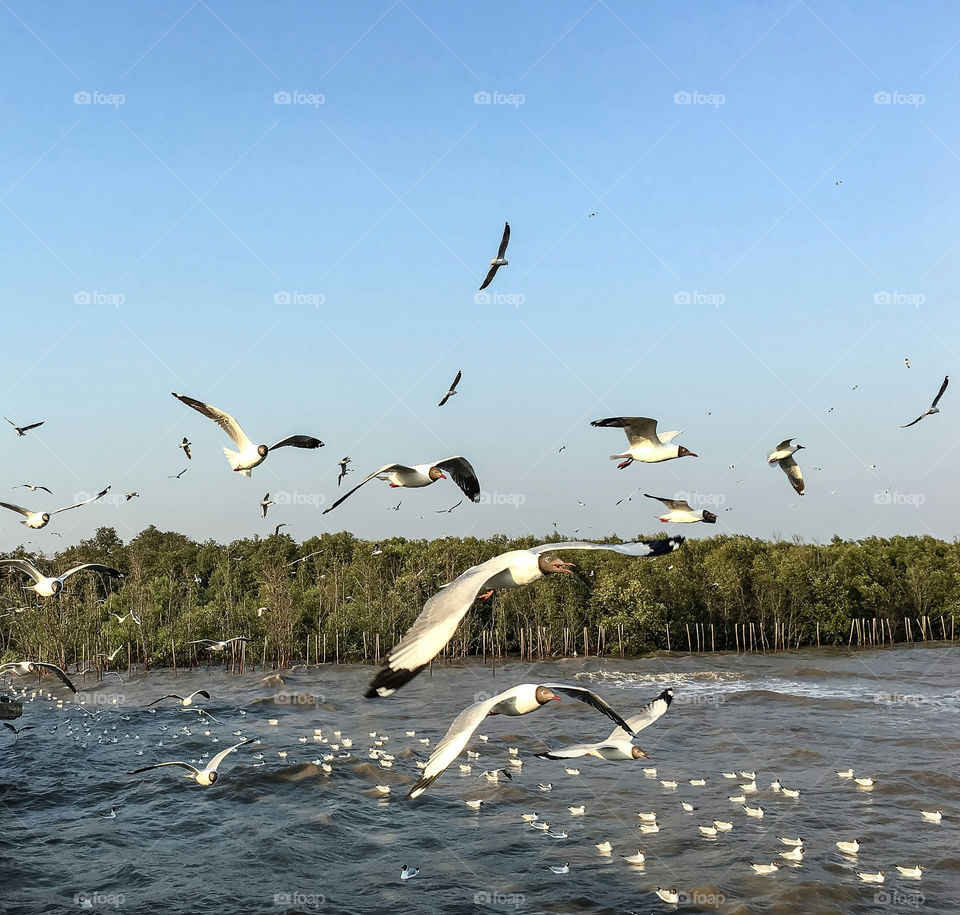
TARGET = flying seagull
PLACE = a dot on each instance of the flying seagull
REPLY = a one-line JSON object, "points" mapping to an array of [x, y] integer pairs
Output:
{"points": [[47, 587], [23, 430], [451, 390], [618, 745], [443, 612], [31, 667], [265, 504], [177, 475], [499, 261], [185, 445], [18, 731], [32, 487], [184, 700], [132, 495], [518, 700], [783, 450], [205, 777], [276, 530], [933, 407], [446, 511], [417, 475], [681, 512], [250, 455], [343, 469], [792, 469], [37, 520], [645, 444], [213, 645]]}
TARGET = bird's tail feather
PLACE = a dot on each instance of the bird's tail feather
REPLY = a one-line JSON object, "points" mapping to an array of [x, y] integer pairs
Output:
{"points": [[388, 681]]}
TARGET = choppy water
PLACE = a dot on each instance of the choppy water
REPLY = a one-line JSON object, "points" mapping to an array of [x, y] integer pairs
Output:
{"points": [[280, 836]]}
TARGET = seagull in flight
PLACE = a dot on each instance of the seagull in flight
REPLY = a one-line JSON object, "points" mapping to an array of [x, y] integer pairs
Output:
{"points": [[249, 455], [446, 511], [23, 430], [213, 645], [206, 776], [342, 463], [131, 495], [32, 487], [178, 475], [933, 407], [18, 731], [265, 504], [451, 390], [184, 700], [185, 445], [646, 444], [499, 261], [32, 667], [47, 587], [681, 512], [38, 520]]}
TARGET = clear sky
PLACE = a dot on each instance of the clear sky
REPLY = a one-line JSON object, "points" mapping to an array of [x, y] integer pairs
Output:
{"points": [[168, 223]]}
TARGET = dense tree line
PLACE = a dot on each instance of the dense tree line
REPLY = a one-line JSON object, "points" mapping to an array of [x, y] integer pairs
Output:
{"points": [[347, 599]]}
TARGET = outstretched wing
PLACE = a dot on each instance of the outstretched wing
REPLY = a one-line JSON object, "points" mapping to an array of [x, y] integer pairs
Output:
{"points": [[650, 713], [168, 696], [672, 504], [387, 468], [907, 426], [640, 430], [943, 387], [574, 751], [181, 765], [489, 277], [16, 508], [224, 420], [451, 389], [298, 441], [219, 758], [591, 699], [504, 241], [22, 565], [99, 495], [633, 548], [57, 671], [463, 474], [790, 467], [93, 567]]}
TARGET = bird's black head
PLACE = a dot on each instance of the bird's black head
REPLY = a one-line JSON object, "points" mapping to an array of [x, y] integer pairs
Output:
{"points": [[800, 447], [46, 518], [213, 777], [262, 450], [57, 586], [685, 452], [709, 517]]}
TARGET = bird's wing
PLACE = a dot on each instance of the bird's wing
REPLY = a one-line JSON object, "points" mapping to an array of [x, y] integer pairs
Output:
{"points": [[489, 277], [907, 426], [219, 758], [435, 625], [44, 488], [16, 508], [181, 765], [632, 548], [790, 467], [22, 565], [640, 430], [463, 475], [572, 752], [783, 445], [453, 742], [298, 441], [504, 241], [943, 387], [456, 380], [650, 713], [451, 389], [99, 495], [12, 423], [591, 699], [224, 420], [200, 692], [168, 696], [672, 504], [93, 567], [32, 426], [667, 437], [387, 468], [58, 672]]}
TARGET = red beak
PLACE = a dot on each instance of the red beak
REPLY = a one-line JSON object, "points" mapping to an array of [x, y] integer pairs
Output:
{"points": [[443, 476], [691, 454]]}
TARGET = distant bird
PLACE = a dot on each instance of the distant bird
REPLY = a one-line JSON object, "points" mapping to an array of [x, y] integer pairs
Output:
{"points": [[408, 873], [753, 811], [206, 776], [18, 731], [933, 407], [770, 868], [451, 390], [342, 464], [38, 520], [212, 645], [619, 745], [418, 475], [178, 475], [185, 445], [911, 871], [23, 430], [561, 448], [47, 587], [709, 831], [395, 508], [638, 858], [265, 504], [849, 848], [837, 183], [795, 854], [681, 512], [670, 896], [866, 782], [906, 362], [499, 261], [518, 700], [131, 615], [112, 815], [561, 868], [446, 511], [109, 657], [31, 487], [260, 612], [783, 455], [793, 843], [32, 667], [872, 878], [932, 816], [276, 530], [250, 455], [645, 444], [846, 773], [131, 495], [443, 612], [184, 700]]}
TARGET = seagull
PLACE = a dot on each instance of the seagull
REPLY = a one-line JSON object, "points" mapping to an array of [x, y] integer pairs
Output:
{"points": [[770, 868], [184, 700], [32, 487], [933, 407], [443, 612], [795, 854], [560, 868], [474, 805], [793, 843], [650, 817], [865, 782], [645, 444], [131, 615], [912, 871], [847, 773], [177, 475], [342, 464], [185, 445], [446, 511], [753, 811], [618, 745], [265, 504], [131, 495], [790, 792], [722, 825], [417, 475], [783, 455], [499, 261], [47, 587], [110, 657], [37, 520], [23, 430], [577, 811], [933, 816], [18, 731], [604, 848], [276, 530], [112, 815], [681, 512], [395, 508], [451, 390], [849, 848], [30, 667], [638, 858], [408, 873], [906, 362], [671, 896], [518, 700], [250, 455], [212, 645], [871, 878], [205, 777], [783, 450]]}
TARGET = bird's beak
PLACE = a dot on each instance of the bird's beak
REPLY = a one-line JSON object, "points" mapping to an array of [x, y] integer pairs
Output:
{"points": [[443, 476], [644, 755], [555, 697], [691, 454], [565, 567]]}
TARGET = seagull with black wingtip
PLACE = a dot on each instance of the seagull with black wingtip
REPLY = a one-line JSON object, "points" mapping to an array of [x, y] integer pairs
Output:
{"points": [[646, 444], [37, 520], [681, 513], [206, 776], [48, 586], [933, 407], [499, 261]]}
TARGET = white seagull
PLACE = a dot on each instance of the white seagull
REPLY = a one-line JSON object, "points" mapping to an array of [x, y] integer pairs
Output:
{"points": [[47, 587], [30, 667], [933, 407], [418, 475], [37, 520], [681, 512], [32, 487], [783, 455], [249, 455], [783, 450], [184, 700], [206, 776], [451, 390], [443, 612], [265, 504], [645, 444], [23, 430], [518, 700], [499, 261], [212, 645]]}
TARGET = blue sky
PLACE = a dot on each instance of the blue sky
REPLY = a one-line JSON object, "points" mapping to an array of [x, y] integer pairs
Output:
{"points": [[158, 206]]}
